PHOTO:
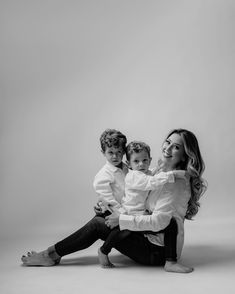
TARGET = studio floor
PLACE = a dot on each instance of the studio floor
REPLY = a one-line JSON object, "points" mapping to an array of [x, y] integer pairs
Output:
{"points": [[209, 248]]}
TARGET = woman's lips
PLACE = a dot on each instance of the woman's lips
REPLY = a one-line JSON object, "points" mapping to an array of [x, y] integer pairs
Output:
{"points": [[166, 155]]}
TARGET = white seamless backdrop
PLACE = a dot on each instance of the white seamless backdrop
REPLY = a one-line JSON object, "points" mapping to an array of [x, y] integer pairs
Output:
{"points": [[71, 69]]}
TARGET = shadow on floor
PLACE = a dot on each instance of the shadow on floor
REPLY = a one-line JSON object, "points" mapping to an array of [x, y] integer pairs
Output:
{"points": [[118, 259], [196, 255], [204, 255]]}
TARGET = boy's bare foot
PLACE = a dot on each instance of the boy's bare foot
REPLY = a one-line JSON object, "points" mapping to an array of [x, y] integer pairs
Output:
{"points": [[175, 267], [104, 260], [37, 259]]}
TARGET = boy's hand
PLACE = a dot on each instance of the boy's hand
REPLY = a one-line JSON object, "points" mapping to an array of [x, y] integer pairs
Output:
{"points": [[107, 206], [98, 210]]}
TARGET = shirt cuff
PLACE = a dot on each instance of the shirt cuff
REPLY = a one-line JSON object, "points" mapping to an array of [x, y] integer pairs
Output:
{"points": [[171, 177], [122, 210], [126, 222]]}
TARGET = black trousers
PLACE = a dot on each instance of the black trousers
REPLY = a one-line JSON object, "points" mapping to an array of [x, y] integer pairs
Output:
{"points": [[136, 246], [170, 239]]}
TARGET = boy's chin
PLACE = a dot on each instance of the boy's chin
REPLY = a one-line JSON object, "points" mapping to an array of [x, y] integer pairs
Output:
{"points": [[117, 163]]}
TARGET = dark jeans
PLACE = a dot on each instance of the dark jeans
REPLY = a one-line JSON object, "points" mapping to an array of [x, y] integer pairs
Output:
{"points": [[115, 236], [136, 246], [170, 239]]}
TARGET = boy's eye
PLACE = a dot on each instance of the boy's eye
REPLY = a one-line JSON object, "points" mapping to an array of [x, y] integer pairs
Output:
{"points": [[177, 147]]}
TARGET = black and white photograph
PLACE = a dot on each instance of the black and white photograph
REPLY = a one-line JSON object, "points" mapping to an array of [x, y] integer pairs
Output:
{"points": [[117, 146]]}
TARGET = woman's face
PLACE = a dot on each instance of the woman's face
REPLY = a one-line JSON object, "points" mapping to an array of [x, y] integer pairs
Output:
{"points": [[173, 151]]}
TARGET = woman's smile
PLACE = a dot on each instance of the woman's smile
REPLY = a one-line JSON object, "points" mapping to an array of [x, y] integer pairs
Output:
{"points": [[166, 154], [173, 151]]}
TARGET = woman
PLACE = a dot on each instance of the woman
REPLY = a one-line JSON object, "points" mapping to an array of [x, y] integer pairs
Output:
{"points": [[180, 150]]}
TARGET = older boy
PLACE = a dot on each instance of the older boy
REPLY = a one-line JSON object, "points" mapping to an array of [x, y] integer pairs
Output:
{"points": [[109, 182]]}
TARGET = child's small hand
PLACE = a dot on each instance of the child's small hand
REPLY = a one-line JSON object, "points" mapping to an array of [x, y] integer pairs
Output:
{"points": [[98, 209], [112, 220], [179, 173], [154, 171]]}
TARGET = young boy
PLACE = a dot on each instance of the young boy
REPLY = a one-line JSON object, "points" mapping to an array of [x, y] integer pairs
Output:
{"points": [[109, 183], [138, 182]]}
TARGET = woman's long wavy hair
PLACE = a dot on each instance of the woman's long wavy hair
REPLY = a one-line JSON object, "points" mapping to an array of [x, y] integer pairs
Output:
{"points": [[194, 165]]}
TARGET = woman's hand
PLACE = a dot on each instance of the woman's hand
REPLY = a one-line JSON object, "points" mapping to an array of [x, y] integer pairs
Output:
{"points": [[112, 220]]}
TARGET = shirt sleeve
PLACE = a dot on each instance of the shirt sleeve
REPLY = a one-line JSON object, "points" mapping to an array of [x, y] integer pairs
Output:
{"points": [[171, 202], [140, 181], [102, 185], [157, 221]]}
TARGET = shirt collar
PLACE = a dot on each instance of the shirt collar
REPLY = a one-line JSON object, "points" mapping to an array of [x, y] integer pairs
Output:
{"points": [[113, 168]]}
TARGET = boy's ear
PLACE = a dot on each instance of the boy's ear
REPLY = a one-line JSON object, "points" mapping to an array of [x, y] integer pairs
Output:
{"points": [[150, 159]]}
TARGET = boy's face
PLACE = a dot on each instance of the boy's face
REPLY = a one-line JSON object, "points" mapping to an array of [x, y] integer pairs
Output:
{"points": [[114, 155], [140, 161]]}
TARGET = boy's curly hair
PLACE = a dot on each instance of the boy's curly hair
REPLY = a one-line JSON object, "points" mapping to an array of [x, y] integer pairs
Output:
{"points": [[136, 147], [112, 138]]}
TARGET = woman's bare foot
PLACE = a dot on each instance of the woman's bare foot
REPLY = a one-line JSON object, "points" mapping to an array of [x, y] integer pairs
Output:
{"points": [[37, 259], [175, 267], [104, 260]]}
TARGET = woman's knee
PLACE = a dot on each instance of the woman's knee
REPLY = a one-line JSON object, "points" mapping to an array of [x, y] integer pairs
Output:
{"points": [[100, 227]]}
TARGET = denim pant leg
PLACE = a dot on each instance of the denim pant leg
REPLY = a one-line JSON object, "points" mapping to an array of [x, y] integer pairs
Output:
{"points": [[137, 247], [83, 238], [115, 236], [170, 240]]}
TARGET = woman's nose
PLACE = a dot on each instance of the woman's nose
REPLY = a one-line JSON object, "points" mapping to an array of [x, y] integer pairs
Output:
{"points": [[168, 147]]}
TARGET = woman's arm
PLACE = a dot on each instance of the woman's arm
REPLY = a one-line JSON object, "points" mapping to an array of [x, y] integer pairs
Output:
{"points": [[157, 221], [172, 201]]}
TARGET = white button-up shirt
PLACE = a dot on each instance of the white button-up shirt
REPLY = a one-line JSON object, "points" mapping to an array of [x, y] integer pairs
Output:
{"points": [[137, 187], [109, 184]]}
